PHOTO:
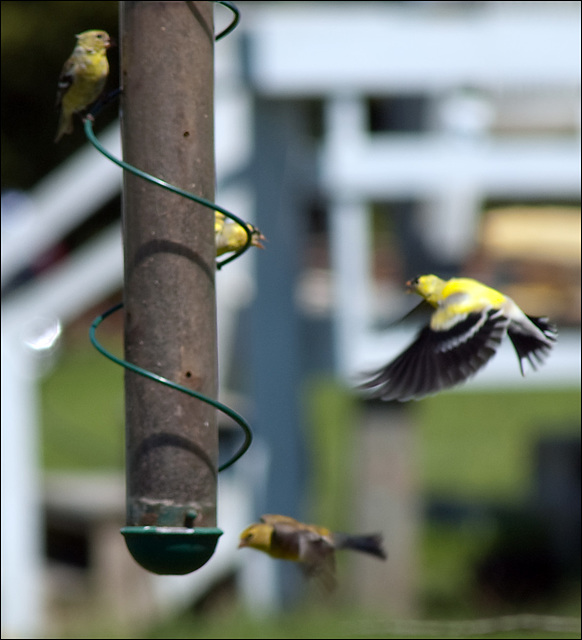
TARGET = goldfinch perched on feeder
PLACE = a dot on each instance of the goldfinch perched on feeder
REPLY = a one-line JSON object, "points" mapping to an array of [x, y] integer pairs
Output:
{"points": [[230, 236], [466, 327], [82, 78], [312, 546]]}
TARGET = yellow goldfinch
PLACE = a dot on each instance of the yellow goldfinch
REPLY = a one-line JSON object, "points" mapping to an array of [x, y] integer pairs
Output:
{"points": [[230, 236], [467, 324], [82, 78], [312, 546]]}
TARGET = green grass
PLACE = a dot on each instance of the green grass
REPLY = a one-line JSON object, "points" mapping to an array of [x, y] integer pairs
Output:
{"points": [[330, 437], [474, 445], [480, 448], [315, 622], [322, 622], [83, 411], [481, 445], [471, 446]]}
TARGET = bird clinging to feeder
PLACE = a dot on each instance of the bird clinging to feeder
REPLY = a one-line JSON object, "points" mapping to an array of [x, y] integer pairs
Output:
{"points": [[229, 235], [82, 78]]}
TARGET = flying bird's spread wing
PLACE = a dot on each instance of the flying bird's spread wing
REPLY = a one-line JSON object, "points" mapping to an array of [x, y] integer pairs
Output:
{"points": [[438, 360]]}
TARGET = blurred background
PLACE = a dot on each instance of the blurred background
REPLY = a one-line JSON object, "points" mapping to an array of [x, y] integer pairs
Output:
{"points": [[370, 142]]}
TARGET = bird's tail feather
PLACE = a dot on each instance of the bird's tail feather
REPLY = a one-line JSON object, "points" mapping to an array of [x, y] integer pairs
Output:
{"points": [[371, 544], [530, 346], [65, 125]]}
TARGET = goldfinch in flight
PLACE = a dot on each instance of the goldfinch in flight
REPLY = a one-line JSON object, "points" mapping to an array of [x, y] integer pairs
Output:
{"points": [[466, 327], [82, 78], [230, 236], [313, 546]]}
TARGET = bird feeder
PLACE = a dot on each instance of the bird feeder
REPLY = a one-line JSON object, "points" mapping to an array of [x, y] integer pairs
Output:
{"points": [[167, 80]]}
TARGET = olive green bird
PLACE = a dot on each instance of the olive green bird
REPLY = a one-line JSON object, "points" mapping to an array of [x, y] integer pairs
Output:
{"points": [[82, 78], [310, 545], [230, 236]]}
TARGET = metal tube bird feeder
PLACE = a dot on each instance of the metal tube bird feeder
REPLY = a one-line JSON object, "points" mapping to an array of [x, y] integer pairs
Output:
{"points": [[167, 78]]}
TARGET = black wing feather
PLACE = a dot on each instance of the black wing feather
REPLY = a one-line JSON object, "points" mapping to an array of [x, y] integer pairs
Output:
{"points": [[438, 360], [528, 345]]}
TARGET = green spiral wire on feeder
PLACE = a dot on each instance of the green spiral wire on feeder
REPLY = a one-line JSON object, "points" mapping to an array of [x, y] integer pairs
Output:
{"points": [[173, 385]]}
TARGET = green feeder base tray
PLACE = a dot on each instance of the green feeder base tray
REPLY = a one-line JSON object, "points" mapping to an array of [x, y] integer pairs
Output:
{"points": [[171, 550]]}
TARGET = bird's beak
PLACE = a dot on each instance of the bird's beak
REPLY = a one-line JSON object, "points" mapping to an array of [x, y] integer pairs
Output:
{"points": [[241, 544], [409, 286], [258, 242], [258, 238]]}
